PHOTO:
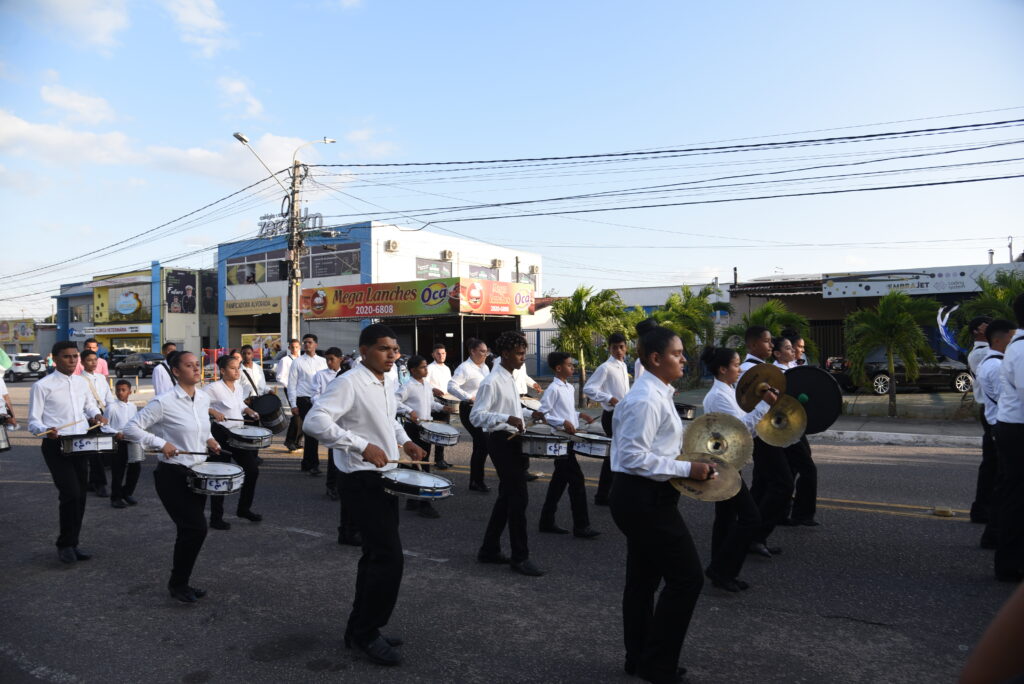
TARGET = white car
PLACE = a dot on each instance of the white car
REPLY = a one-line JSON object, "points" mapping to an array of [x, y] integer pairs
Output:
{"points": [[25, 366]]}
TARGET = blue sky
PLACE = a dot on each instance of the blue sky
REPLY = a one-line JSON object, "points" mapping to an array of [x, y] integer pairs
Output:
{"points": [[117, 116]]}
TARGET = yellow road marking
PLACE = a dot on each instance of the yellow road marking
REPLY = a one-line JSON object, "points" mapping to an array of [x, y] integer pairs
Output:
{"points": [[897, 513], [888, 505], [25, 482]]}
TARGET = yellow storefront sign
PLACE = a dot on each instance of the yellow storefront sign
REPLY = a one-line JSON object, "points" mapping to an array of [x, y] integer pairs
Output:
{"points": [[252, 307]]}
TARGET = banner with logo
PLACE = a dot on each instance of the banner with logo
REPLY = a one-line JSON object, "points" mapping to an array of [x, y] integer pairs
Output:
{"points": [[923, 281], [442, 296], [22, 330]]}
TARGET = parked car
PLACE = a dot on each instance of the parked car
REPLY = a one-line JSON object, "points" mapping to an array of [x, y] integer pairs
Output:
{"points": [[268, 369], [139, 364], [943, 373], [25, 366], [116, 356]]}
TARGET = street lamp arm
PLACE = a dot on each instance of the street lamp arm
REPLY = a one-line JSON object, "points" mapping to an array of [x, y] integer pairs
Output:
{"points": [[245, 141]]}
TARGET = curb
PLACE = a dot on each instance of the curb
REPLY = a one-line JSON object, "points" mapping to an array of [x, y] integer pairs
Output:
{"points": [[895, 438]]}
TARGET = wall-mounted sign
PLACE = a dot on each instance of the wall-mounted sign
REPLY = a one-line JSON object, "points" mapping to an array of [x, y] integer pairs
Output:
{"points": [[924, 281], [443, 296], [141, 329], [22, 330], [252, 307], [180, 292]]}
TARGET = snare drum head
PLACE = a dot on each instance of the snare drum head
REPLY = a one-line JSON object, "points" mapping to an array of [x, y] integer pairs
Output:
{"points": [[530, 403], [540, 430], [417, 478], [216, 469], [597, 439], [251, 432], [440, 428]]}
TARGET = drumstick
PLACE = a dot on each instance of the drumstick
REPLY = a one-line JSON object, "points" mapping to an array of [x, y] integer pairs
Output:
{"points": [[41, 434], [190, 453]]}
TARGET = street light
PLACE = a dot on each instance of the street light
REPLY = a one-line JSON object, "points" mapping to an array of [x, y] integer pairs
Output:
{"points": [[295, 242]]}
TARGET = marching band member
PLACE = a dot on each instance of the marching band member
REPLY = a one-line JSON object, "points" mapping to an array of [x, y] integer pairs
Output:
{"points": [[772, 481], [163, 380], [252, 380], [524, 383], [228, 410], [464, 384], [737, 520], [439, 375], [6, 407], [101, 394], [1009, 557], [355, 418], [558, 405], [998, 334], [333, 357], [282, 371], [300, 391], [61, 404], [173, 422], [496, 409], [416, 402], [608, 386], [123, 475], [645, 506], [981, 507], [801, 462]]}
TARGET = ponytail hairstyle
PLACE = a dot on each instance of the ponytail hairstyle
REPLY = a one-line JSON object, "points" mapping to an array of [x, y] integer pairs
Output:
{"points": [[176, 359], [652, 339], [717, 358]]}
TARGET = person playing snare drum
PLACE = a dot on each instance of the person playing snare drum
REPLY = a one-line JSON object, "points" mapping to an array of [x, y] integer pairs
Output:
{"points": [[416, 402], [123, 475]]}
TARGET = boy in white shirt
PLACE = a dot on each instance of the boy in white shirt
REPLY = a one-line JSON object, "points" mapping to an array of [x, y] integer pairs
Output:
{"points": [[321, 380], [416, 402], [101, 394], [123, 475], [608, 385], [439, 375]]}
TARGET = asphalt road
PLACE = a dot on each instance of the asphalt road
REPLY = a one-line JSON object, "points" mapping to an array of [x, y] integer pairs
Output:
{"points": [[882, 591]]}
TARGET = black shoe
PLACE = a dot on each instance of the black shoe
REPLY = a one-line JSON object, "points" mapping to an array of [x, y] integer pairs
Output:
{"points": [[81, 555], [220, 525], [722, 582], [314, 472], [478, 487], [806, 522], [352, 539], [131, 500], [249, 515], [118, 503], [587, 532], [760, 549], [66, 555], [530, 477], [183, 594], [332, 493], [197, 592], [630, 669], [527, 568], [552, 528], [102, 492], [378, 651], [428, 511], [494, 558], [678, 678], [600, 500], [741, 584], [442, 465]]}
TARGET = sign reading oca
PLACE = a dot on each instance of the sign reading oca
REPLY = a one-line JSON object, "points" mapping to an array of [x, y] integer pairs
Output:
{"points": [[434, 294], [524, 299]]}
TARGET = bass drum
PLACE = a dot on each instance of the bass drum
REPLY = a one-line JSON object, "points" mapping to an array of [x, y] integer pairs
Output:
{"points": [[819, 394], [271, 413]]}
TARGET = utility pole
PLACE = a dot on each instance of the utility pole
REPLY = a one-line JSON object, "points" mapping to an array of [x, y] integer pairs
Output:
{"points": [[295, 247], [517, 270]]}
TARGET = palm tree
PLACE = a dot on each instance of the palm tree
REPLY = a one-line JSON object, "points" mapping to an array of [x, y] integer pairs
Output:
{"points": [[995, 299], [895, 325], [775, 316], [691, 315], [584, 318]]}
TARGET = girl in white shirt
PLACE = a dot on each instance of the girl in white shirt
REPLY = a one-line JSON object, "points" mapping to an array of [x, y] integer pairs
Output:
{"points": [[464, 384]]}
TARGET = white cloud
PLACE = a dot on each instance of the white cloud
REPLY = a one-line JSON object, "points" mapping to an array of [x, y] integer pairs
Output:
{"points": [[230, 162], [366, 145], [236, 92], [78, 107], [97, 22], [350, 4], [62, 145], [200, 24]]}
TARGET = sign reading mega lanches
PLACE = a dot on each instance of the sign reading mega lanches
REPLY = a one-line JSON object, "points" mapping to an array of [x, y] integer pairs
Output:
{"points": [[443, 296], [924, 281]]}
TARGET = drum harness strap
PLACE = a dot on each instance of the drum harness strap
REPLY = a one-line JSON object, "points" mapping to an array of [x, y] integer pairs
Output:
{"points": [[252, 385], [996, 355], [96, 395]]}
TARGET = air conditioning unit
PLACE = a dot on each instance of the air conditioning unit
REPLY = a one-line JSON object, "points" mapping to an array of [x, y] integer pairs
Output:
{"points": [[447, 255], [391, 245], [534, 270], [497, 263]]}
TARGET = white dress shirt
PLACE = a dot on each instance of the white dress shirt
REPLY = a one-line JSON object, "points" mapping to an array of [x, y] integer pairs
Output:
{"points": [[721, 398], [523, 381], [283, 369], [417, 395], [978, 354], [749, 362], [648, 433], [466, 380], [496, 400], [100, 389], [990, 381], [177, 418], [58, 399], [638, 369], [119, 413], [163, 381], [355, 410], [3, 393], [300, 377], [558, 404], [610, 380], [322, 379], [1011, 393], [256, 373], [101, 367], [228, 401], [439, 375]]}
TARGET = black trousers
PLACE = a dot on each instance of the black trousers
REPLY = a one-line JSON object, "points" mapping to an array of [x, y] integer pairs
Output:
{"points": [[513, 497], [186, 510], [658, 549], [604, 482], [414, 432], [97, 471], [1009, 556], [311, 449], [801, 464], [567, 474], [293, 436], [123, 475], [988, 471], [246, 459], [480, 442], [375, 515], [69, 476], [772, 486], [737, 524], [442, 417]]}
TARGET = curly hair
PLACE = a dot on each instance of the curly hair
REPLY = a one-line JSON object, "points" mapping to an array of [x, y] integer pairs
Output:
{"points": [[510, 340]]}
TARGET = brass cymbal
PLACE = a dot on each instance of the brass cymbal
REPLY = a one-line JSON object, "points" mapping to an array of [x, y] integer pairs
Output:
{"points": [[784, 424], [721, 488], [719, 436], [751, 386]]}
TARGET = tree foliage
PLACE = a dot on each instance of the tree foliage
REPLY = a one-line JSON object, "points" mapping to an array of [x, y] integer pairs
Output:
{"points": [[584, 320], [775, 316], [995, 299]]}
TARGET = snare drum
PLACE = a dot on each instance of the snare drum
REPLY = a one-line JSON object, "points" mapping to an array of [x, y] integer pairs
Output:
{"points": [[440, 434], [88, 444], [271, 413], [449, 401], [594, 446], [136, 454], [529, 403], [416, 484], [544, 445], [5, 441], [215, 479], [250, 437]]}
